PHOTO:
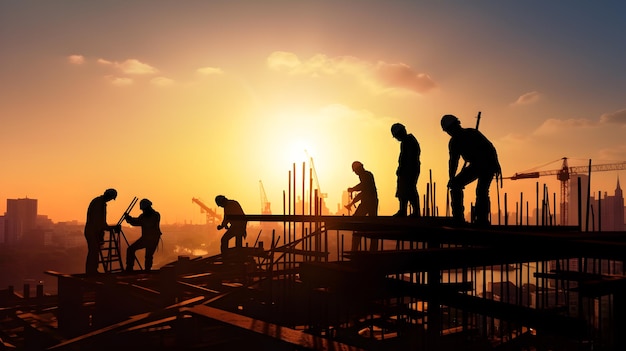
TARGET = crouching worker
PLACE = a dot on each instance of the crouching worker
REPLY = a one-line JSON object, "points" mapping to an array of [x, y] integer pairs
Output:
{"points": [[149, 220]]}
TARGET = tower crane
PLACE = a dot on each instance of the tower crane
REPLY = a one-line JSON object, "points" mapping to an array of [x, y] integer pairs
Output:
{"points": [[265, 205], [211, 216], [317, 183], [563, 175]]}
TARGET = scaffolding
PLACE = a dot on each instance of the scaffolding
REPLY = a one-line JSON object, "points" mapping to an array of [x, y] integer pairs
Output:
{"points": [[429, 285]]}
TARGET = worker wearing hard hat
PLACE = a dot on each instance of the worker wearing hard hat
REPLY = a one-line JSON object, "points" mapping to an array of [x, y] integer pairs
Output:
{"points": [[150, 222], [481, 164], [408, 171], [95, 226], [234, 228], [367, 198]]}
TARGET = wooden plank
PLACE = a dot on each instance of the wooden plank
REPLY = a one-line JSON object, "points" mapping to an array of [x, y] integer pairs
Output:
{"points": [[278, 332]]}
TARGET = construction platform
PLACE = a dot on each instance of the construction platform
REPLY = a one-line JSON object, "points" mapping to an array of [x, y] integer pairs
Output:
{"points": [[350, 283]]}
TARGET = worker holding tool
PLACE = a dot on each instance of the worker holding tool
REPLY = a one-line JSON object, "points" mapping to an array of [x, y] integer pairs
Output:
{"points": [[482, 164], [408, 171], [234, 228], [95, 226], [367, 198], [150, 221]]}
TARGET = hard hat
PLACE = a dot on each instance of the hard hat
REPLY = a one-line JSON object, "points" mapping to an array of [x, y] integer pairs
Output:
{"points": [[398, 129], [219, 199], [449, 120], [110, 193], [144, 203], [356, 165]]}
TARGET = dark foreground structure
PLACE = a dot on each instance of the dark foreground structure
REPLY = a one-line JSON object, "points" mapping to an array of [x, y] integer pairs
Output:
{"points": [[428, 286]]}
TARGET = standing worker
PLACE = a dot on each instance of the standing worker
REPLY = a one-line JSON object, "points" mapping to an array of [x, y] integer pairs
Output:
{"points": [[408, 171], [95, 226], [234, 228], [481, 163], [150, 221], [367, 198]]}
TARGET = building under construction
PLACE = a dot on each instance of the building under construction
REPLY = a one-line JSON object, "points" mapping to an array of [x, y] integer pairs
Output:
{"points": [[347, 283]]}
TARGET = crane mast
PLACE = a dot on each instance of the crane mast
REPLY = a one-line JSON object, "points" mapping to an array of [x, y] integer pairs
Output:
{"points": [[265, 205], [563, 175]]}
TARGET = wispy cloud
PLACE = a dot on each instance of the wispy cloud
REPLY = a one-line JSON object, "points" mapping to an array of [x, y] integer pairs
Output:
{"points": [[120, 81], [76, 59], [382, 76], [133, 66], [527, 98], [207, 71], [553, 126], [162, 81], [617, 117], [130, 66]]}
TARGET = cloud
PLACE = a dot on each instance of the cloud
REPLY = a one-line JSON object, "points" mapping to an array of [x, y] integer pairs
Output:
{"points": [[617, 117], [120, 81], [133, 66], [104, 62], [527, 99], [207, 71], [381, 76], [614, 153], [162, 81], [403, 76], [283, 60], [554, 126], [76, 59]]}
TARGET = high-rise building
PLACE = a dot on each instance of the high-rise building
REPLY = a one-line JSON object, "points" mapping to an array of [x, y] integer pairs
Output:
{"points": [[605, 212], [609, 210], [20, 218]]}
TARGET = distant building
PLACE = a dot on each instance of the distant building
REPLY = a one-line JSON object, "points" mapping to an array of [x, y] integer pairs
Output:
{"points": [[609, 211], [19, 219], [606, 213]]}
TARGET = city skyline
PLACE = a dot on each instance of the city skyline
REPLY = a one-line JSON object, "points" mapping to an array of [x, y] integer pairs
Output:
{"points": [[174, 101]]}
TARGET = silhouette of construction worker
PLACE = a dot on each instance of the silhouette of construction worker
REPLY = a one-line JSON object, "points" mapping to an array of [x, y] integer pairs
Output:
{"points": [[150, 222], [234, 228], [408, 171], [95, 226], [367, 196], [367, 199], [481, 161]]}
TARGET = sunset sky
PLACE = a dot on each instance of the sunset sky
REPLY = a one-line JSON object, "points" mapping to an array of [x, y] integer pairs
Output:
{"points": [[172, 100]]}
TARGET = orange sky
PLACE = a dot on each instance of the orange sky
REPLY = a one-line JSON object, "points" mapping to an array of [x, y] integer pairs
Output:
{"points": [[174, 100]]}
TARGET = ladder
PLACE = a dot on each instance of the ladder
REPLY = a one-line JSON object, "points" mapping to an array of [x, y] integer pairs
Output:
{"points": [[110, 255]]}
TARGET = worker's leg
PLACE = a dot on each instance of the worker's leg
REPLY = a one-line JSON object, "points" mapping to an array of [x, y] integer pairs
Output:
{"points": [[456, 186], [415, 205], [414, 198], [225, 239], [93, 250], [130, 253], [483, 204], [150, 249], [403, 207]]}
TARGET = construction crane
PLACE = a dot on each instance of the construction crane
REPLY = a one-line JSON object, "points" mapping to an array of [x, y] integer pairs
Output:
{"points": [[563, 175], [317, 183], [211, 216], [265, 205]]}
